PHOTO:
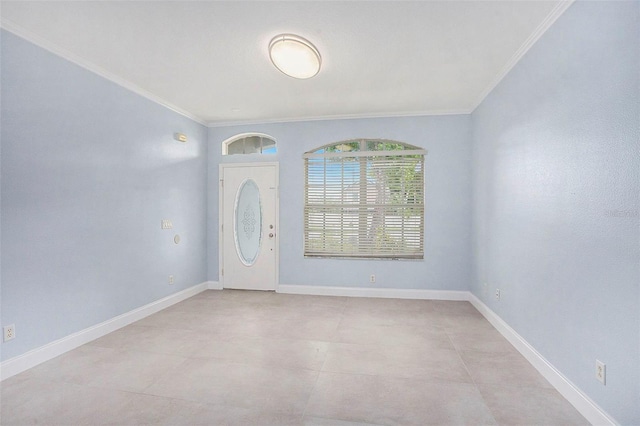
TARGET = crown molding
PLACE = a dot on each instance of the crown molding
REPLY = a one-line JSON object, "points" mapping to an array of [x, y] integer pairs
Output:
{"points": [[212, 124], [82, 62], [557, 11]]}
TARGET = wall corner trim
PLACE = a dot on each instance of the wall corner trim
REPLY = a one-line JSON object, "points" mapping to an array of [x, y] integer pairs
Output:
{"points": [[390, 293], [37, 356], [587, 407]]}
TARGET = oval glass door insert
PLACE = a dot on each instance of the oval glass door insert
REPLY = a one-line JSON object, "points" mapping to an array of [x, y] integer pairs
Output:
{"points": [[248, 222]]}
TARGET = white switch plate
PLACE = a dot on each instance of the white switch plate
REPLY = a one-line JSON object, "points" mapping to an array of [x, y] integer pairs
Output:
{"points": [[166, 224], [497, 294], [171, 280], [601, 372]]}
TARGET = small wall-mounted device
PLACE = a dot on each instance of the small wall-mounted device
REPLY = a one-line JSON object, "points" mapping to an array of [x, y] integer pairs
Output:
{"points": [[180, 137]]}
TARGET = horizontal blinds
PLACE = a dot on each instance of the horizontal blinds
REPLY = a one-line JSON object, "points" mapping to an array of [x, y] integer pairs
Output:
{"points": [[364, 205]]}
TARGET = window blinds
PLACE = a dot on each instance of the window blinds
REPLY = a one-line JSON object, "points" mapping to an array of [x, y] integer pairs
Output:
{"points": [[364, 204]]}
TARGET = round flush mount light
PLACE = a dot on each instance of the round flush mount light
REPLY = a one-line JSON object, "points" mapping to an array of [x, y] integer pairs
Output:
{"points": [[294, 56]]}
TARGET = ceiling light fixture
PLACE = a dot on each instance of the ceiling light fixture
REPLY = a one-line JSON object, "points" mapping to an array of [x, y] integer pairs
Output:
{"points": [[294, 56]]}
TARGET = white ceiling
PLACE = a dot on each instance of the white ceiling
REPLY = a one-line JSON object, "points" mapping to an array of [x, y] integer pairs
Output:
{"points": [[209, 59]]}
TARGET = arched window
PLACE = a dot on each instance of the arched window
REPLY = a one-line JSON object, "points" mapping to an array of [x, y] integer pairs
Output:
{"points": [[364, 198], [249, 143]]}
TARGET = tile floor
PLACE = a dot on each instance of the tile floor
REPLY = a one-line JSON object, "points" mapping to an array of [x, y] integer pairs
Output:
{"points": [[254, 358]]}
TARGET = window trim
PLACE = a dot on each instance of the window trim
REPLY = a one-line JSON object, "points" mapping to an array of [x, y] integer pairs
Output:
{"points": [[232, 139], [365, 252]]}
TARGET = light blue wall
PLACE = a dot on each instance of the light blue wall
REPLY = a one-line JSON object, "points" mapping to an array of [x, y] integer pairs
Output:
{"points": [[556, 200], [89, 169], [545, 172], [448, 198]]}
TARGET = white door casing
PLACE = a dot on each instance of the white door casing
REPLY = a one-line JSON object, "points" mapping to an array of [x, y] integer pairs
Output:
{"points": [[249, 226]]}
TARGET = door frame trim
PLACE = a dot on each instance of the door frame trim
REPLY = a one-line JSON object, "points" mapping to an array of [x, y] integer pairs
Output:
{"points": [[221, 168]]}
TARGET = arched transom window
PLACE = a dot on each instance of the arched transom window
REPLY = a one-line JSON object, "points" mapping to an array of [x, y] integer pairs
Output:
{"points": [[364, 198], [249, 143]]}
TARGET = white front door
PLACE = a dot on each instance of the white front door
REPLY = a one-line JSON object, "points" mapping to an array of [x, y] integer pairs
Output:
{"points": [[249, 226]]}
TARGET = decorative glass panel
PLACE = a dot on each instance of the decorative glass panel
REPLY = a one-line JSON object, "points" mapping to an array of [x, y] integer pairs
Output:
{"points": [[236, 147], [268, 146], [249, 144], [248, 222]]}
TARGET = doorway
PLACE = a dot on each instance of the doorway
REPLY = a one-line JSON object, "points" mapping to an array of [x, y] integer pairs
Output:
{"points": [[249, 226]]}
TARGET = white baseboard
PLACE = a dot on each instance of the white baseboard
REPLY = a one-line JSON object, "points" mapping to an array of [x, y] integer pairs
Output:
{"points": [[30, 359], [391, 293], [214, 285], [589, 409]]}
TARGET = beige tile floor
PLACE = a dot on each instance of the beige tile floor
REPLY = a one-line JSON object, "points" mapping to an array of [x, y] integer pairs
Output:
{"points": [[254, 358]]}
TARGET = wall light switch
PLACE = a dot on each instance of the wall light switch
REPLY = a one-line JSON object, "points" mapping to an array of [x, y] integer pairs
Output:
{"points": [[601, 372], [166, 224]]}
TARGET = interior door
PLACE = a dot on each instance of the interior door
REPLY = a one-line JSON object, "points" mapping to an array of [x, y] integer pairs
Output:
{"points": [[248, 229]]}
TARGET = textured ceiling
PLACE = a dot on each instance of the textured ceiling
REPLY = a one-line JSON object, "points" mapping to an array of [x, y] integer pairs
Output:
{"points": [[209, 60]]}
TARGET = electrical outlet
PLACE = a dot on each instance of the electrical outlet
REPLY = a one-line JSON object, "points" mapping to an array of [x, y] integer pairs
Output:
{"points": [[9, 332], [601, 372], [372, 279], [497, 294], [171, 281]]}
